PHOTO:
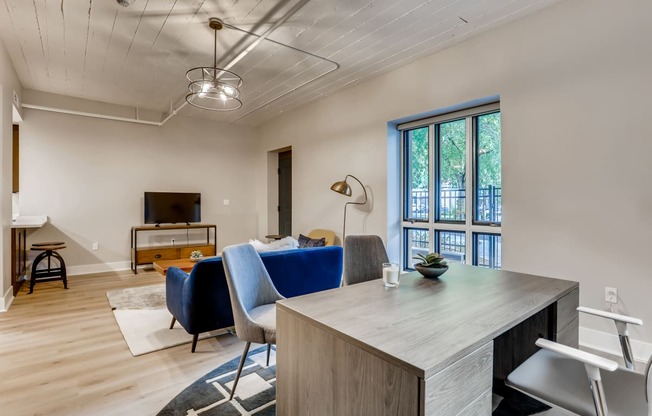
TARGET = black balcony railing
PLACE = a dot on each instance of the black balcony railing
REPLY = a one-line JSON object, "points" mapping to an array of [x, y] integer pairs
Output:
{"points": [[419, 200], [452, 204], [489, 205]]}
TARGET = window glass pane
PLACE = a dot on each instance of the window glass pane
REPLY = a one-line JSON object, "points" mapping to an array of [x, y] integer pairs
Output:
{"points": [[416, 242], [487, 248], [452, 171], [488, 204], [452, 245], [416, 174]]}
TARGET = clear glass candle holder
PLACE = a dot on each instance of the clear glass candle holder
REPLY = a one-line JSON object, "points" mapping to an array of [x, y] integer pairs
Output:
{"points": [[391, 274]]}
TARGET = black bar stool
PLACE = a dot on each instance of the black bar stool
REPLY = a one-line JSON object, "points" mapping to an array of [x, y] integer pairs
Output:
{"points": [[48, 251]]}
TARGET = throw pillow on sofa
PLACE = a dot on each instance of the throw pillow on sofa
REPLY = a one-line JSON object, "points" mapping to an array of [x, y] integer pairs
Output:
{"points": [[311, 242], [282, 244]]}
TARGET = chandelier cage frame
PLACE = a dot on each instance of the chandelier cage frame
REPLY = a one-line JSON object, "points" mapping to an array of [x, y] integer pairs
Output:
{"points": [[214, 88]]}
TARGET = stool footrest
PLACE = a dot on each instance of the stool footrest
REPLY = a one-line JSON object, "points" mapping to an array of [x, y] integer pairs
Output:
{"points": [[50, 273]]}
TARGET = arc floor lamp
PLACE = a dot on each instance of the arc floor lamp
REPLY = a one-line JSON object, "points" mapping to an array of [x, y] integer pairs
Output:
{"points": [[343, 187]]}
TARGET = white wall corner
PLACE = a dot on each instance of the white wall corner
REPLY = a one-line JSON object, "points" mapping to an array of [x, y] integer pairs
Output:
{"points": [[609, 343], [7, 299], [98, 268]]}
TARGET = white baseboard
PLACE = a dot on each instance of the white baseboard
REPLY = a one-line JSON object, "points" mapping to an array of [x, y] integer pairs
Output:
{"points": [[98, 268], [609, 343], [6, 300]]}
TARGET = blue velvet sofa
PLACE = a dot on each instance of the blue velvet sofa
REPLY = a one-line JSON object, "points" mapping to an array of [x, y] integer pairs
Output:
{"points": [[200, 301]]}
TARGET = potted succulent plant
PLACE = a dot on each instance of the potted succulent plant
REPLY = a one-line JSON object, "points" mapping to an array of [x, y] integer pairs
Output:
{"points": [[431, 264], [196, 255]]}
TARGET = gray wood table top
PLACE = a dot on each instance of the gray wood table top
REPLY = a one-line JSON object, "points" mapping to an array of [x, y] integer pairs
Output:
{"points": [[425, 325]]}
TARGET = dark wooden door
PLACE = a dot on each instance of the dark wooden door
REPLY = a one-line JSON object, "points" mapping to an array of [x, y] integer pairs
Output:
{"points": [[14, 160], [285, 193]]}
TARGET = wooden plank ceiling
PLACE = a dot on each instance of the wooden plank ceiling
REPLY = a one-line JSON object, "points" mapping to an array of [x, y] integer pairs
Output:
{"points": [[138, 55]]}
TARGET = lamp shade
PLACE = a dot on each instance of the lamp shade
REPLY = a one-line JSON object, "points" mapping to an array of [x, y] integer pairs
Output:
{"points": [[341, 187]]}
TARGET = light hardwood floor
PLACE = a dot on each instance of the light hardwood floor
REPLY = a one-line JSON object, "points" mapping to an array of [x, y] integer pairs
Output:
{"points": [[61, 353]]}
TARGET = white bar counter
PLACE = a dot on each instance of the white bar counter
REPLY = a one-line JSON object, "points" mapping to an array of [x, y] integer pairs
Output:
{"points": [[29, 221]]}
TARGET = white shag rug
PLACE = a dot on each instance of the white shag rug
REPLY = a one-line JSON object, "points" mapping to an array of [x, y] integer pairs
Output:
{"points": [[144, 320]]}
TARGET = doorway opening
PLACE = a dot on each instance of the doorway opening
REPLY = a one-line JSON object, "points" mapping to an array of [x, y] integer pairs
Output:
{"points": [[284, 172]]}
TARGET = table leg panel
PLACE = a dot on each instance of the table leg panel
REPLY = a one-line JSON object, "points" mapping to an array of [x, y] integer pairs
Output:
{"points": [[321, 374]]}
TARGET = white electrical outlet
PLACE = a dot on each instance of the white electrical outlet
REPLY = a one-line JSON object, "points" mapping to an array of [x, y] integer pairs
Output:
{"points": [[96, 246], [611, 294], [173, 242]]}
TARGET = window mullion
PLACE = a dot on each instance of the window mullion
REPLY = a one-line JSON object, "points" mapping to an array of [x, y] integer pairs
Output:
{"points": [[433, 180], [403, 182], [470, 178]]}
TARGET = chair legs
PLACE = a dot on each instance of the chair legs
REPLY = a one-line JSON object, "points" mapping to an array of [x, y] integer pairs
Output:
{"points": [[242, 361], [195, 337], [269, 348], [599, 401]]}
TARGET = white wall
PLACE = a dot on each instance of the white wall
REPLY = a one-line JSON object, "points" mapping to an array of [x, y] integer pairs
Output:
{"points": [[574, 82], [8, 84], [88, 175]]}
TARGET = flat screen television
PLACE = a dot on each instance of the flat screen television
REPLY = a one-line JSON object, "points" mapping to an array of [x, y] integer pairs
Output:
{"points": [[172, 207]]}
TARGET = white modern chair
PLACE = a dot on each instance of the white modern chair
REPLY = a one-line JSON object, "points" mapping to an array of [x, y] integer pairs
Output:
{"points": [[571, 379], [253, 299]]}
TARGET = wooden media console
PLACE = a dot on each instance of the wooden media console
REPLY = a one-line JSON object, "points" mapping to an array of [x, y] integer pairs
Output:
{"points": [[149, 254]]}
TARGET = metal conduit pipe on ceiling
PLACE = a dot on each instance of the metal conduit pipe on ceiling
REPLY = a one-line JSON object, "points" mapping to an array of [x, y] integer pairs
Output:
{"points": [[235, 60]]}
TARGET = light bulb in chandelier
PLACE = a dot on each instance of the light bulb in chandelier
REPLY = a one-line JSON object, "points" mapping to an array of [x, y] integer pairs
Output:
{"points": [[206, 87]]}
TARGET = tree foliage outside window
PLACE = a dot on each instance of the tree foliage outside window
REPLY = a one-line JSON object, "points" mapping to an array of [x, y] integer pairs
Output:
{"points": [[488, 193], [452, 170], [419, 157], [488, 126], [417, 167], [452, 158]]}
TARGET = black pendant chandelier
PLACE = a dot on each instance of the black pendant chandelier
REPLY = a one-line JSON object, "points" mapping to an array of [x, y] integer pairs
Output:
{"points": [[212, 88]]}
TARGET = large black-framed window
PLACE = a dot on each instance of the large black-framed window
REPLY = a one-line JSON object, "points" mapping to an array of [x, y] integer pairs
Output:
{"points": [[451, 187]]}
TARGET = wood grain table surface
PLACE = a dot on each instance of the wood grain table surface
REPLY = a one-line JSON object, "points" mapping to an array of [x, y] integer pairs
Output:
{"points": [[425, 325]]}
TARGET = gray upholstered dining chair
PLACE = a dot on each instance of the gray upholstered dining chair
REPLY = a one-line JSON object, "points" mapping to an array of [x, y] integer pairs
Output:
{"points": [[364, 256], [571, 379], [253, 299]]}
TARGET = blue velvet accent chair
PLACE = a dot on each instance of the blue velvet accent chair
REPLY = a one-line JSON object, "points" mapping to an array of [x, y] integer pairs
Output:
{"points": [[200, 301]]}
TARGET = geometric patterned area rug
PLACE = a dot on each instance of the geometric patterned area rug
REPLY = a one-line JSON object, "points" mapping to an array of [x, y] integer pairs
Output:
{"points": [[144, 320], [208, 396], [256, 393]]}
